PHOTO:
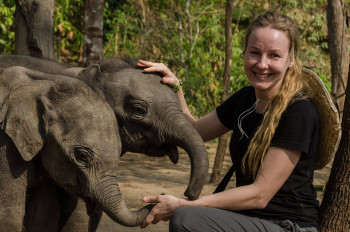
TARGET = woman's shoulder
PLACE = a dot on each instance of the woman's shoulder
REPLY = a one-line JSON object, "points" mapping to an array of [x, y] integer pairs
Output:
{"points": [[241, 97], [243, 93], [303, 105], [302, 109], [235, 103], [246, 90]]}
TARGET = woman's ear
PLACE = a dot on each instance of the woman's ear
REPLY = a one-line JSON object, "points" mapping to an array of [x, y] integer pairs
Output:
{"points": [[291, 58], [291, 62]]}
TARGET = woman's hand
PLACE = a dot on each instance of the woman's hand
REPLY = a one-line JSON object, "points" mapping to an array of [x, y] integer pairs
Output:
{"points": [[168, 78], [162, 211]]}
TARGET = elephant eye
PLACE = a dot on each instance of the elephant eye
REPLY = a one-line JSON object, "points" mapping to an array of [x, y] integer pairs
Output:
{"points": [[139, 109], [83, 155], [135, 108]]}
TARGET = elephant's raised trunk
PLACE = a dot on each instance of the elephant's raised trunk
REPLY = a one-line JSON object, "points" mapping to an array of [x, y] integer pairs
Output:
{"points": [[108, 195]]}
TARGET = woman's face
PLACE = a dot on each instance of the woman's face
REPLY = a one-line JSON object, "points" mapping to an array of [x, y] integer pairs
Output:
{"points": [[266, 60]]}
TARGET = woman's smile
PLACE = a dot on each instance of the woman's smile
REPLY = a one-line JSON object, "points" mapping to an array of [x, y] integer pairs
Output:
{"points": [[262, 76]]}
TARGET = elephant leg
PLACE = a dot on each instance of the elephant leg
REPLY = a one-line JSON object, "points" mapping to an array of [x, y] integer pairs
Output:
{"points": [[42, 208], [13, 186], [12, 203], [74, 217], [95, 218], [11, 213]]}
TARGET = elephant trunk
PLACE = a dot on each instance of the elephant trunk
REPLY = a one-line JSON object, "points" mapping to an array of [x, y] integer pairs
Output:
{"points": [[199, 171], [187, 137], [108, 195]]}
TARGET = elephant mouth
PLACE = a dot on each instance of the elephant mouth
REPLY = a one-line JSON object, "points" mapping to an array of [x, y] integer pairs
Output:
{"points": [[165, 149], [173, 154]]}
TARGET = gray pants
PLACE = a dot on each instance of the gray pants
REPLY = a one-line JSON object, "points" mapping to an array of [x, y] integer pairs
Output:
{"points": [[203, 219]]}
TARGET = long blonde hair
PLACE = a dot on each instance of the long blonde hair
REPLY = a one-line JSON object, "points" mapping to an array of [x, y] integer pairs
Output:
{"points": [[290, 90]]}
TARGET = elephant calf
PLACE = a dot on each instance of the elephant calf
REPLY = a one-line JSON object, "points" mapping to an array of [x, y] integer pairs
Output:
{"points": [[150, 120], [148, 112], [57, 133]]}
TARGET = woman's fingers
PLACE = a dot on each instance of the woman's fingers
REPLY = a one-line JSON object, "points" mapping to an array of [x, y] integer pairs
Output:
{"points": [[153, 67], [151, 216], [151, 199], [169, 78], [155, 221], [162, 211], [149, 219], [148, 64], [144, 63]]}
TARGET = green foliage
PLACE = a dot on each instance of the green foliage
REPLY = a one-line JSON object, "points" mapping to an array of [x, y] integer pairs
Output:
{"points": [[69, 37], [312, 20], [7, 34], [121, 29], [8, 3], [189, 39]]}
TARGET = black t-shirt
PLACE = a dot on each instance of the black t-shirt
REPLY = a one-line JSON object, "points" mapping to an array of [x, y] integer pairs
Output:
{"points": [[297, 130]]}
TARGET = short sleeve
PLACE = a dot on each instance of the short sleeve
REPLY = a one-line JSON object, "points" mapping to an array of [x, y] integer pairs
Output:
{"points": [[227, 110], [297, 127]]}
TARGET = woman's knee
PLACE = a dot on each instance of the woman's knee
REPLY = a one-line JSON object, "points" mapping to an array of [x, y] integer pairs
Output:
{"points": [[178, 218], [185, 219]]}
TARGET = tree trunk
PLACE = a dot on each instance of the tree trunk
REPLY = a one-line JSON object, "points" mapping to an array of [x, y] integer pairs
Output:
{"points": [[34, 28], [93, 32], [335, 207], [219, 158], [338, 47], [222, 145]]}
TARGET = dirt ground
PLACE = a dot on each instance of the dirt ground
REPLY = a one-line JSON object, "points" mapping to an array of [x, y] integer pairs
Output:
{"points": [[141, 176]]}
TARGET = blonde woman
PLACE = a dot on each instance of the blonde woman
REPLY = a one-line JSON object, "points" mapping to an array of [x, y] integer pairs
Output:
{"points": [[275, 133]]}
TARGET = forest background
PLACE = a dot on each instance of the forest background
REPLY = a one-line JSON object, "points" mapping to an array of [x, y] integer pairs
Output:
{"points": [[188, 36]]}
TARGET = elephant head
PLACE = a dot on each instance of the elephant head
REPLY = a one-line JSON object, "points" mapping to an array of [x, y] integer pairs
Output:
{"points": [[73, 133], [149, 116]]}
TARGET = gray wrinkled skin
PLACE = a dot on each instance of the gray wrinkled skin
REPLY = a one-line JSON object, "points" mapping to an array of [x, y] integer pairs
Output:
{"points": [[149, 117], [148, 114], [56, 134]]}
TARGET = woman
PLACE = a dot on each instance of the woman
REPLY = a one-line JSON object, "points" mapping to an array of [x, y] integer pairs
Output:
{"points": [[274, 142]]}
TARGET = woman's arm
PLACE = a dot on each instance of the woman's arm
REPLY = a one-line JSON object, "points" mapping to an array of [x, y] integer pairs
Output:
{"points": [[277, 166], [209, 126]]}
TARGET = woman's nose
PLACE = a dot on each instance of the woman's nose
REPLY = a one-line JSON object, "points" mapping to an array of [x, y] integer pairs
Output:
{"points": [[263, 62]]}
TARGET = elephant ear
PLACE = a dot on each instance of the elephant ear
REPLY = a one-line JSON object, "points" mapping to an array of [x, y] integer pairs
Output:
{"points": [[21, 117]]}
